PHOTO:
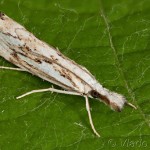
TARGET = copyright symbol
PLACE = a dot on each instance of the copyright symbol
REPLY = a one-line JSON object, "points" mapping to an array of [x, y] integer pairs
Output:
{"points": [[112, 143]]}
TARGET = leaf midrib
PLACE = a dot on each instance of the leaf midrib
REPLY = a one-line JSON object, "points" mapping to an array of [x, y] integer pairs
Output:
{"points": [[118, 65]]}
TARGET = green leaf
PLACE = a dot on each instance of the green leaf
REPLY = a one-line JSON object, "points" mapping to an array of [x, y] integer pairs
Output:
{"points": [[109, 38]]}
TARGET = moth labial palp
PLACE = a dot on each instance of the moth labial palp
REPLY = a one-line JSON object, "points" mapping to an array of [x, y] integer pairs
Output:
{"points": [[28, 53]]}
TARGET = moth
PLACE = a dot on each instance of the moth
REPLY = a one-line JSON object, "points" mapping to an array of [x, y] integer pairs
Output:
{"points": [[23, 49]]}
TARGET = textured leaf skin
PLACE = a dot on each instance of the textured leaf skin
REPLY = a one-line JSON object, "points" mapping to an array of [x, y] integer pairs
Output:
{"points": [[82, 30]]}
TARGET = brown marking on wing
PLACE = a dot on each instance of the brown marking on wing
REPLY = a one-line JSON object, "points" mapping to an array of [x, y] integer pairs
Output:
{"points": [[66, 74], [47, 60], [8, 34], [28, 48], [14, 55], [38, 60]]}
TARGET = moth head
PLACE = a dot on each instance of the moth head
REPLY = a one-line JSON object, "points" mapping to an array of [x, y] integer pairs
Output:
{"points": [[112, 99]]}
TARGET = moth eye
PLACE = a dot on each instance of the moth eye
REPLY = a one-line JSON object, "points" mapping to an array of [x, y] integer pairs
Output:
{"points": [[94, 94]]}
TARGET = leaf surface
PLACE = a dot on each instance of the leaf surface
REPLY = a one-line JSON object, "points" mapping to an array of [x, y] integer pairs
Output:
{"points": [[112, 40]]}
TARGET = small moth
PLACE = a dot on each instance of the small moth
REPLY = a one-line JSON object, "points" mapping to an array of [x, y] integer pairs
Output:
{"points": [[30, 54]]}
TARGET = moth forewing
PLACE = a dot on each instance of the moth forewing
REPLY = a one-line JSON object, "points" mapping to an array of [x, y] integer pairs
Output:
{"points": [[29, 51], [24, 50]]}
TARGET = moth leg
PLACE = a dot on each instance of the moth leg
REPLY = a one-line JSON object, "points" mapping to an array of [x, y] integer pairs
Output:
{"points": [[10, 68], [50, 90], [90, 117]]}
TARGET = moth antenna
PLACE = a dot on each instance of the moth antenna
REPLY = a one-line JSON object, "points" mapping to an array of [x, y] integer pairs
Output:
{"points": [[131, 105]]}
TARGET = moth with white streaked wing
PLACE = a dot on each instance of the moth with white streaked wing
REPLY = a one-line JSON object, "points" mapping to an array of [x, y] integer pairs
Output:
{"points": [[30, 54]]}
